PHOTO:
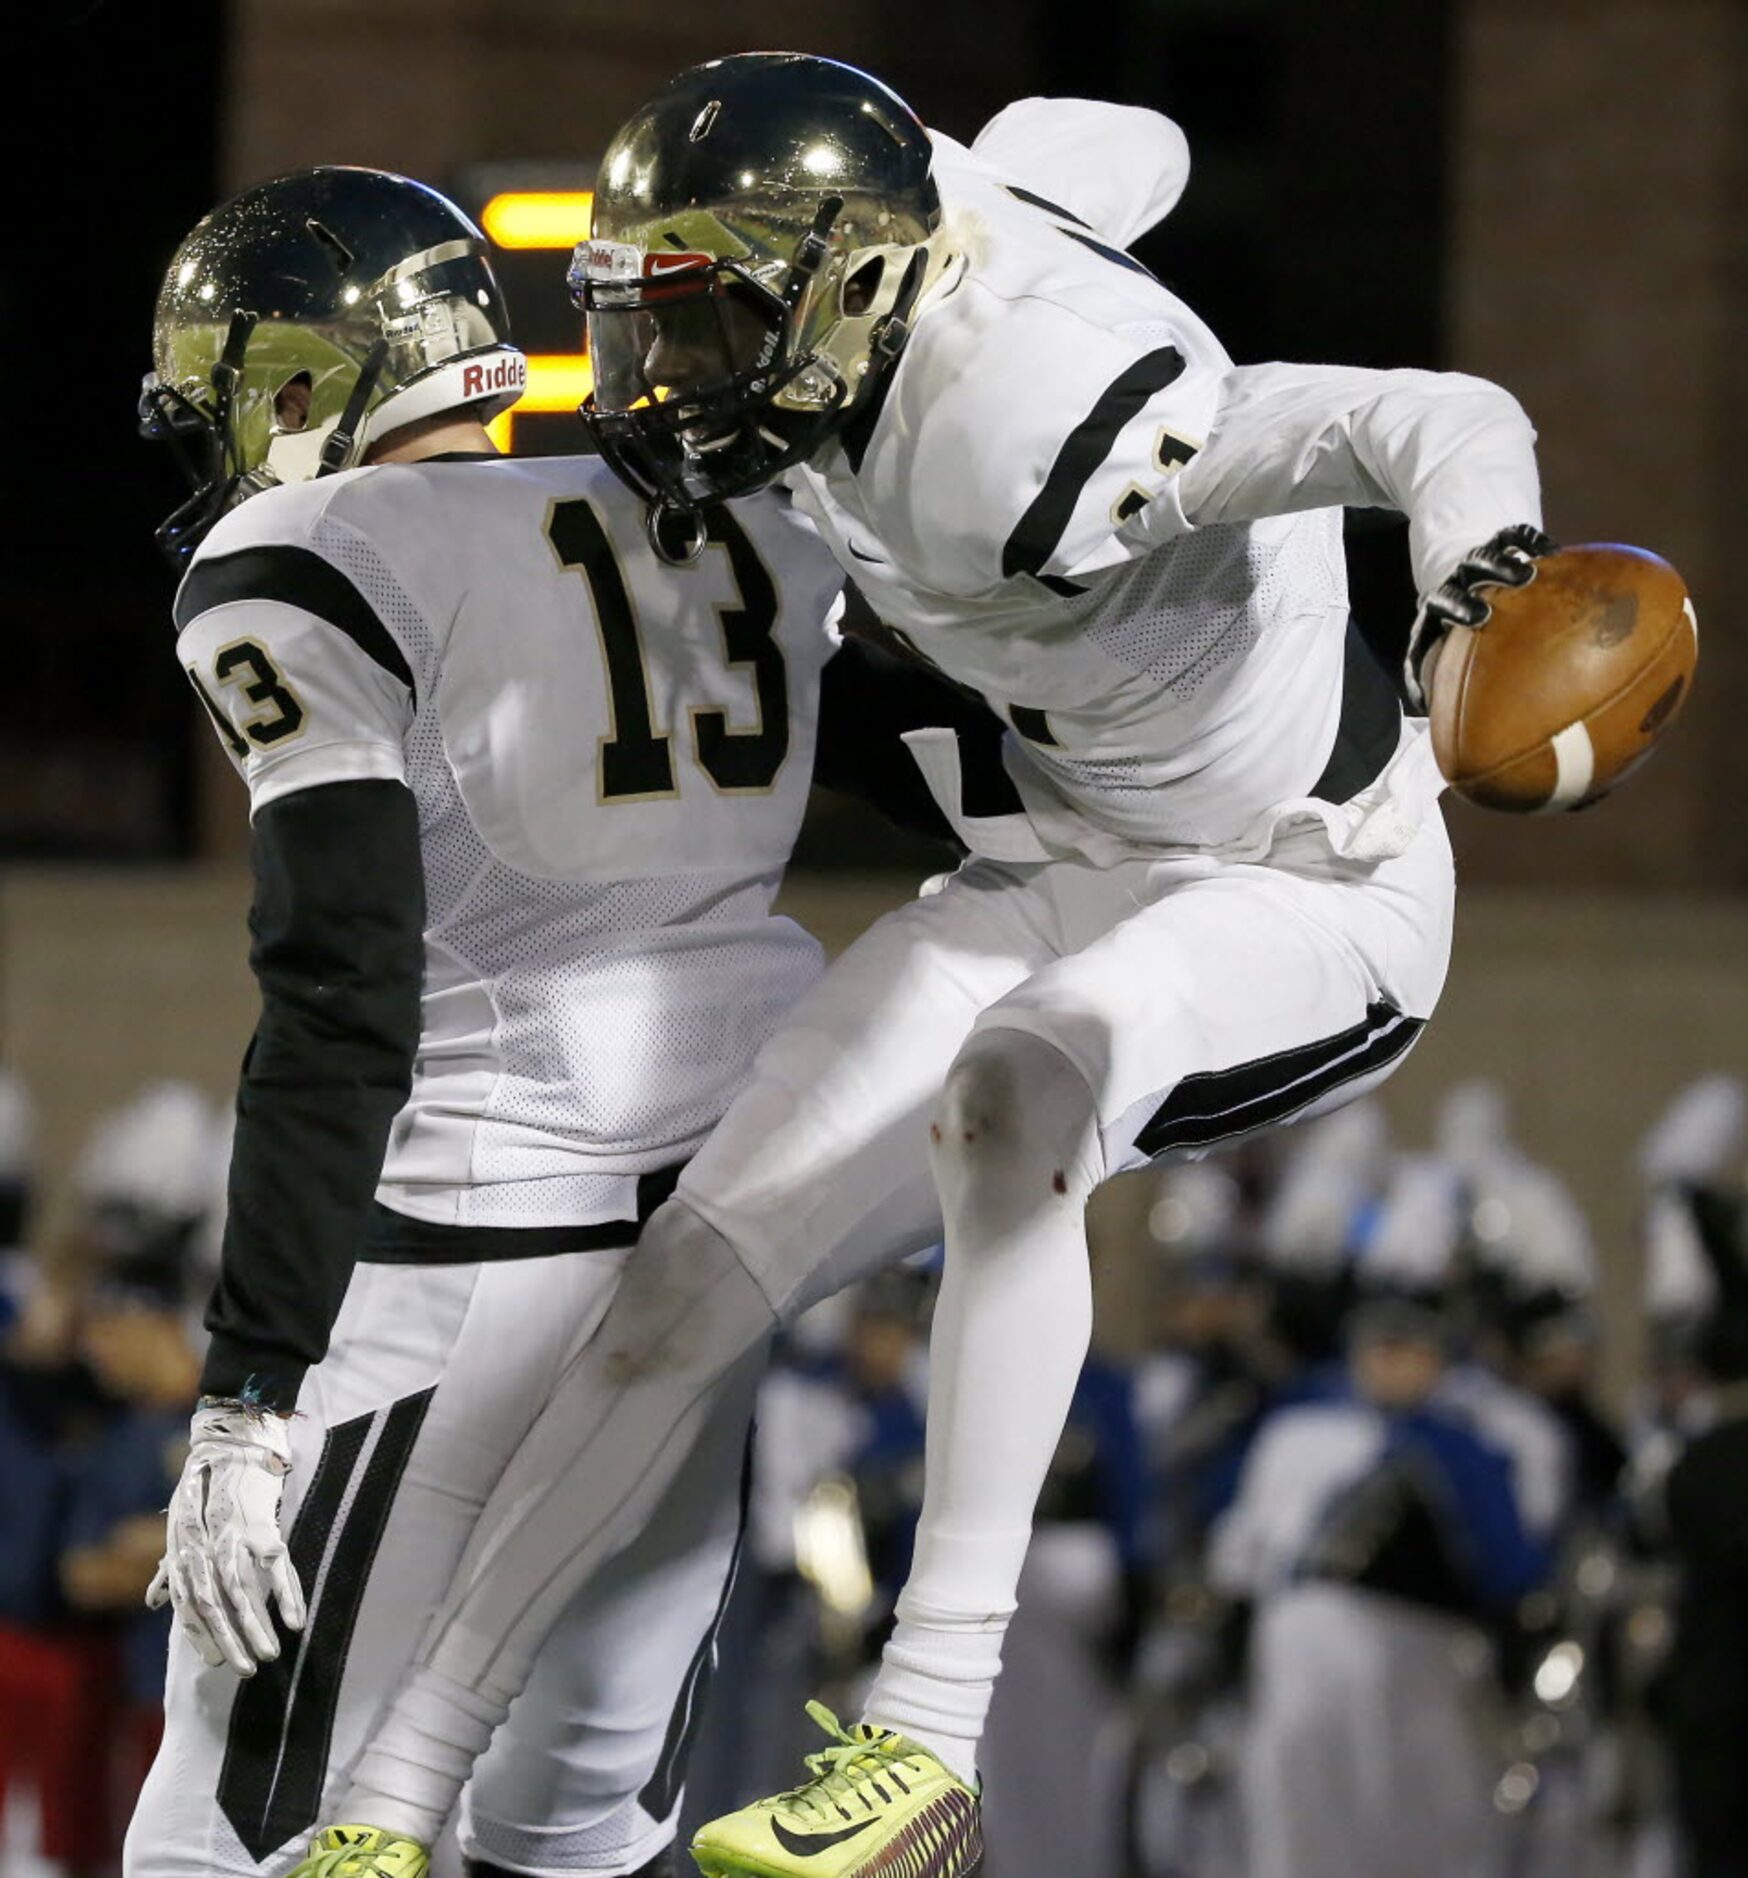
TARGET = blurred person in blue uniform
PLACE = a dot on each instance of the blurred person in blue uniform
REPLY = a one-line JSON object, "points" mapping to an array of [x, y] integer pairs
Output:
{"points": [[136, 1342], [96, 1395], [1381, 1529], [54, 1670], [1085, 1595], [1530, 1277], [1697, 1217], [145, 1183], [1254, 1280], [1528, 1280], [1212, 1366]]}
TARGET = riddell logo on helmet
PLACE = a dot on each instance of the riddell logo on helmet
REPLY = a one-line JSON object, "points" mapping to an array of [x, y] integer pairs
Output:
{"points": [[507, 373]]}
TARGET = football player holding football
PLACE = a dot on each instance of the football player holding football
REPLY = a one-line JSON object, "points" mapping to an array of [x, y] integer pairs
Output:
{"points": [[1209, 889], [521, 795]]}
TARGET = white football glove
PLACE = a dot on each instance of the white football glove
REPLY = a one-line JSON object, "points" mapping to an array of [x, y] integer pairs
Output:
{"points": [[223, 1554]]}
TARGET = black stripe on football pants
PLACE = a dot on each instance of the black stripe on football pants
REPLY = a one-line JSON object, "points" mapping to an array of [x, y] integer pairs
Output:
{"points": [[294, 577], [661, 1792], [1215, 1105], [282, 1722], [1044, 523]]}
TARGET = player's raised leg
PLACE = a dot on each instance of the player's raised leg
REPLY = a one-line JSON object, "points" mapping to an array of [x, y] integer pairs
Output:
{"points": [[1238, 997], [819, 1169]]}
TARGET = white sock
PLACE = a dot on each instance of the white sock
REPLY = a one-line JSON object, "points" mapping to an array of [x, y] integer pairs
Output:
{"points": [[935, 1681], [1016, 1156], [410, 1775]]}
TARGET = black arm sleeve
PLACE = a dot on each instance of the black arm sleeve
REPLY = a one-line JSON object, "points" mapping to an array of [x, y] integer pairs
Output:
{"points": [[338, 950], [867, 700]]}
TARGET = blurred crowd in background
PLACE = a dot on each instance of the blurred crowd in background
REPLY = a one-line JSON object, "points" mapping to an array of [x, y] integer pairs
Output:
{"points": [[1345, 1566]]}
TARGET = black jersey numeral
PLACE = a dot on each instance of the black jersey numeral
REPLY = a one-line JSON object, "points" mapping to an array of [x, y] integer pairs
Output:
{"points": [[248, 665], [740, 760], [234, 740], [636, 765], [636, 760]]}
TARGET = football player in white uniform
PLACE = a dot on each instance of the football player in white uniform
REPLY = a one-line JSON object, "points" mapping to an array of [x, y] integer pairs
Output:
{"points": [[521, 795], [1209, 888]]}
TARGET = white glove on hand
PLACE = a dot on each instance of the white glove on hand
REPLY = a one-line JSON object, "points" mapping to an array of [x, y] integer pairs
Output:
{"points": [[223, 1554]]}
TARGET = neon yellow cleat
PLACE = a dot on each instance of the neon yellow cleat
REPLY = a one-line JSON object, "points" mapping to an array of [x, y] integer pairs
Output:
{"points": [[363, 1852], [878, 1806]]}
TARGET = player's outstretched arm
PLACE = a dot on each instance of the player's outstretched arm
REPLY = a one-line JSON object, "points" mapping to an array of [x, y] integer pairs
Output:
{"points": [[1454, 454]]}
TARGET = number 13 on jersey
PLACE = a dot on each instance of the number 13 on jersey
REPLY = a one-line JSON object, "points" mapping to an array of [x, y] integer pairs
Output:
{"points": [[636, 759]]}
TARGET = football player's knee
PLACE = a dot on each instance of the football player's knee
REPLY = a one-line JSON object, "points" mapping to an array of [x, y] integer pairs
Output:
{"points": [[1014, 1111]]}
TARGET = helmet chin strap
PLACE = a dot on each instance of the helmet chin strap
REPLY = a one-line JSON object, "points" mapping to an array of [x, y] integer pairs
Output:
{"points": [[889, 338], [811, 251], [230, 363], [342, 440]]}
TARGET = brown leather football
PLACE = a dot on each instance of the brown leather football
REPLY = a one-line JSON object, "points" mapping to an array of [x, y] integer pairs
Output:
{"points": [[1568, 685]]}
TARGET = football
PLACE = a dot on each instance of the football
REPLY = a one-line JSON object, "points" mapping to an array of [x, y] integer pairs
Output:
{"points": [[1570, 683]]}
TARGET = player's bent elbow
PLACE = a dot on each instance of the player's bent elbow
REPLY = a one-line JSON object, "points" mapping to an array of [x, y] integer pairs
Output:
{"points": [[1486, 404]]}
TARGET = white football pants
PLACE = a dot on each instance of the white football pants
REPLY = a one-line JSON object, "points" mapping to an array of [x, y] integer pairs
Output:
{"points": [[1189, 1001], [433, 1378]]}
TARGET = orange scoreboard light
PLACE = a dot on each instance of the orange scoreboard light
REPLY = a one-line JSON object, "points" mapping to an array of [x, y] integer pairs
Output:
{"points": [[521, 219]]}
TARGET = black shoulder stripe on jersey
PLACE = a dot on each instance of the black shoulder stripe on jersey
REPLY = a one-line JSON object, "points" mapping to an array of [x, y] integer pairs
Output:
{"points": [[294, 577], [1115, 255], [1370, 726], [1040, 529], [1216, 1105], [1044, 203]]}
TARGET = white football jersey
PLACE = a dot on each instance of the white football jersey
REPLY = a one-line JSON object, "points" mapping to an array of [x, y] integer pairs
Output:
{"points": [[610, 758], [1008, 504]]}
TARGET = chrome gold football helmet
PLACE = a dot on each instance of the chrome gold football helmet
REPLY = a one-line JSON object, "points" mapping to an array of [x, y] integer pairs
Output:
{"points": [[367, 293], [762, 231]]}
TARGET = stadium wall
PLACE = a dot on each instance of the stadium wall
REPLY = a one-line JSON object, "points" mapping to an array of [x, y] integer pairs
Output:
{"points": [[1591, 1011]]}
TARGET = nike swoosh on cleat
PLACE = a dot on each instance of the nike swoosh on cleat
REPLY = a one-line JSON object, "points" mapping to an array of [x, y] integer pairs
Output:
{"points": [[804, 1846], [860, 556]]}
